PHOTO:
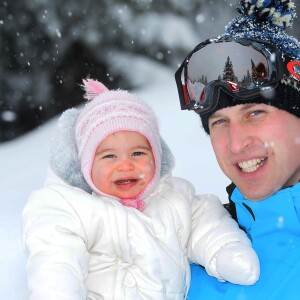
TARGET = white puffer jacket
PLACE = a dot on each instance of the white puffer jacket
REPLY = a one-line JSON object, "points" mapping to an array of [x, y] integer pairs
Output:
{"points": [[84, 246]]}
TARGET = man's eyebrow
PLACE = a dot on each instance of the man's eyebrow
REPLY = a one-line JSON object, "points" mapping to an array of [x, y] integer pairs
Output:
{"points": [[249, 105], [215, 115], [243, 107]]}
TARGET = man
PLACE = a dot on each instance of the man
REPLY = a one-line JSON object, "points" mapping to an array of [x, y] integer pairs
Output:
{"points": [[245, 85]]}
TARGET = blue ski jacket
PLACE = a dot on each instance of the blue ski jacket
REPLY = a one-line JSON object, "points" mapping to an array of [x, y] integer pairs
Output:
{"points": [[273, 225]]}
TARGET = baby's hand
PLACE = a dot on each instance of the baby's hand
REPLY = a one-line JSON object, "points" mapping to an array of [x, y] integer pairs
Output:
{"points": [[237, 263]]}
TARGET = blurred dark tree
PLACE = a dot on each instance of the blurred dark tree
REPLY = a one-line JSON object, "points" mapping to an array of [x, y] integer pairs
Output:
{"points": [[48, 47]]}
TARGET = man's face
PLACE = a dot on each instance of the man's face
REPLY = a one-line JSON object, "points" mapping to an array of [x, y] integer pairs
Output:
{"points": [[258, 147]]}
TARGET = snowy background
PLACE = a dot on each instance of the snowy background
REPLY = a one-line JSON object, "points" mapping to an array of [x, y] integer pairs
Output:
{"points": [[46, 50], [46, 47]]}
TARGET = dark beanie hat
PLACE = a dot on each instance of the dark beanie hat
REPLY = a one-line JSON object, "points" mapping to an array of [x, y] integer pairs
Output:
{"points": [[266, 20]]}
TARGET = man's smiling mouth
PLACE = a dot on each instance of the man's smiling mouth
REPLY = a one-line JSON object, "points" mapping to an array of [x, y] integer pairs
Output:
{"points": [[251, 165]]}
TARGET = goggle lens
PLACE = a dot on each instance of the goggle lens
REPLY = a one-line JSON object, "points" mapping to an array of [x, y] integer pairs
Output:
{"points": [[236, 67]]}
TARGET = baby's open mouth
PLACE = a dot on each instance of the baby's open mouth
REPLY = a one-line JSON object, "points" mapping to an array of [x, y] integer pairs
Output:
{"points": [[251, 165], [125, 181]]}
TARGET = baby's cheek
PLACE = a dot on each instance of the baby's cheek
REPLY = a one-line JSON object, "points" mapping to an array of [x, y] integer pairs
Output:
{"points": [[148, 168]]}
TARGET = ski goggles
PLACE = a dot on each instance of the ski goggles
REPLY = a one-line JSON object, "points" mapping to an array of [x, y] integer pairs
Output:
{"points": [[242, 68]]}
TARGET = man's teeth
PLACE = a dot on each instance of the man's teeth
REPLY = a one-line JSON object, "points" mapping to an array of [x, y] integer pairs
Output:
{"points": [[251, 165]]}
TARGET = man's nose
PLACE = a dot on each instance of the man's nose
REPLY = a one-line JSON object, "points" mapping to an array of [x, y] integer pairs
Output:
{"points": [[239, 138]]}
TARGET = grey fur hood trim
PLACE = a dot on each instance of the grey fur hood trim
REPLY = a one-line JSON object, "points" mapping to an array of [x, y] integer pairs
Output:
{"points": [[64, 160]]}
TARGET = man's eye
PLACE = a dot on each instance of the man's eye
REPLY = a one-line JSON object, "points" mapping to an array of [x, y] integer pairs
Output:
{"points": [[256, 112], [217, 122], [221, 121]]}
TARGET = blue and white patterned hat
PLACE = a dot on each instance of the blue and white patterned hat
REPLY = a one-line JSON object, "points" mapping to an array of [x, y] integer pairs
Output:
{"points": [[266, 20]]}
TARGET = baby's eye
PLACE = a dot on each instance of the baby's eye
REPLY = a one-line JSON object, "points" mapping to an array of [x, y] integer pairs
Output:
{"points": [[137, 153], [109, 156]]}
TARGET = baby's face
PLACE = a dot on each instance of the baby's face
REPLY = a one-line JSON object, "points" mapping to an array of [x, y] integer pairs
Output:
{"points": [[123, 165]]}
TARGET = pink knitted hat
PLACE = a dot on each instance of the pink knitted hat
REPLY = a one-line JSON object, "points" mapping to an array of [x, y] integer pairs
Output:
{"points": [[109, 111]]}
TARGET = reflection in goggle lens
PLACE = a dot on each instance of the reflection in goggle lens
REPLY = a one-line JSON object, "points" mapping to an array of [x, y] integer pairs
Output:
{"points": [[241, 66]]}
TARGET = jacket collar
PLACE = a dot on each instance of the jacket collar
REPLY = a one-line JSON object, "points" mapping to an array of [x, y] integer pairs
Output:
{"points": [[278, 211]]}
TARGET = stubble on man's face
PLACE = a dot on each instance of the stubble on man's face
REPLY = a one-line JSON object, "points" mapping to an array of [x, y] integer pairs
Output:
{"points": [[257, 147]]}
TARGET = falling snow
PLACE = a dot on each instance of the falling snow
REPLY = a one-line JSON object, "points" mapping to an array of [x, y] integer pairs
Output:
{"points": [[47, 48], [44, 41]]}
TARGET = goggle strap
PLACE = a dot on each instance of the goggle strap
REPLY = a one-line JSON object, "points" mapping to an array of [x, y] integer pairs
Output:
{"points": [[185, 96]]}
